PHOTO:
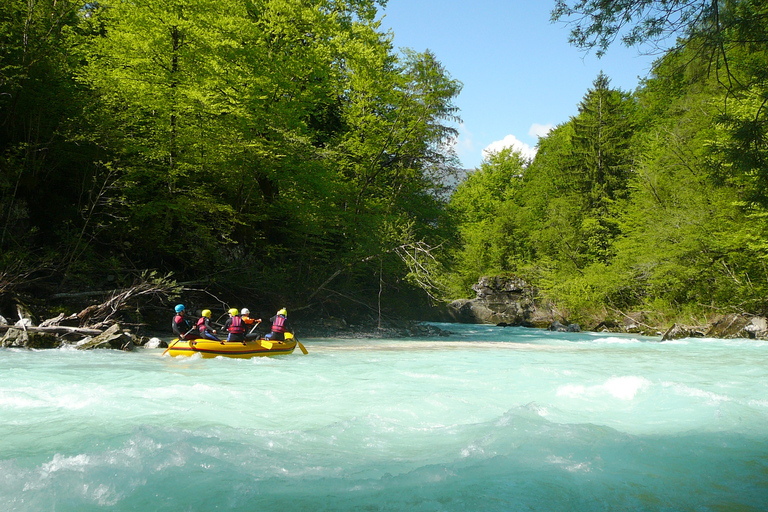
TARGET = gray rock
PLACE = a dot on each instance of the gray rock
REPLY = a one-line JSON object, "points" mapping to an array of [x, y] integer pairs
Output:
{"points": [[155, 343], [113, 337], [24, 322], [27, 339], [501, 300], [682, 331], [14, 338], [557, 327], [739, 326]]}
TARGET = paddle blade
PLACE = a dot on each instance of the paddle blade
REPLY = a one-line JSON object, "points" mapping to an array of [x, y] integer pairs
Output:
{"points": [[266, 344], [169, 347], [301, 346]]}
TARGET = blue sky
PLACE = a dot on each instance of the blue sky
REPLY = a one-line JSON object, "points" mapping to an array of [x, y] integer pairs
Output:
{"points": [[520, 75]]}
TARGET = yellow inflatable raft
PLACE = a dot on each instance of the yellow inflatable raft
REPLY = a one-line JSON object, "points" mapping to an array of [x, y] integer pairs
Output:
{"points": [[241, 349]]}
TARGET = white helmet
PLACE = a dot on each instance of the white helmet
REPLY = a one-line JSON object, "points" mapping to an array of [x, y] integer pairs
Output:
{"points": [[245, 311]]}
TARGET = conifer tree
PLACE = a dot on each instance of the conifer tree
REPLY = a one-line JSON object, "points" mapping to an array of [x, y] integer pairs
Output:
{"points": [[601, 161]]}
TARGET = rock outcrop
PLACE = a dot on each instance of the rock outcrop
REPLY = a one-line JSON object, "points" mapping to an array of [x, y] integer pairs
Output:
{"points": [[502, 300], [54, 336], [510, 301], [738, 326], [21, 337], [727, 326]]}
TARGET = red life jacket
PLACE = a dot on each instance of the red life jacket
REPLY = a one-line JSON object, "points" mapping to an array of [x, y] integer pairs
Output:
{"points": [[279, 324], [236, 327], [201, 324], [178, 324]]}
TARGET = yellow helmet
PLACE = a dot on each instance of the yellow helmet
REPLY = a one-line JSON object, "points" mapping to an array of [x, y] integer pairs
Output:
{"points": [[283, 312], [206, 313], [233, 311]]}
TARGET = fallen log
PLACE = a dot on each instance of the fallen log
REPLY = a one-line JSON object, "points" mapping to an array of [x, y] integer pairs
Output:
{"points": [[55, 329]]}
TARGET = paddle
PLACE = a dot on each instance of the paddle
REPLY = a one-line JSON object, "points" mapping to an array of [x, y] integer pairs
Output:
{"points": [[301, 346], [178, 340], [171, 346]]}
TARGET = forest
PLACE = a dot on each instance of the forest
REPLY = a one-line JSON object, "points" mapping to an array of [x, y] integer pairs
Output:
{"points": [[282, 153]]}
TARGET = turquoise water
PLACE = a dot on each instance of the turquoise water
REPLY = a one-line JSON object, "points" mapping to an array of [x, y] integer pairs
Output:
{"points": [[488, 419]]}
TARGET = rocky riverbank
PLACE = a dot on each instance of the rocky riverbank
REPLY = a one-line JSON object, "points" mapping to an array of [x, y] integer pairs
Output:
{"points": [[502, 301], [28, 336], [510, 301]]}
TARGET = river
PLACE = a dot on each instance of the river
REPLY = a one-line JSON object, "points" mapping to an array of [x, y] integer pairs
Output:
{"points": [[486, 419]]}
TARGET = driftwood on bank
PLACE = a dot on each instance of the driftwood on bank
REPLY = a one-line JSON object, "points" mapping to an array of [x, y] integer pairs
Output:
{"points": [[96, 325], [54, 329]]}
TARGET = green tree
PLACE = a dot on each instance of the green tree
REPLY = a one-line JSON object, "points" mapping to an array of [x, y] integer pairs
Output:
{"points": [[42, 171], [601, 162], [597, 23], [486, 206], [552, 203]]}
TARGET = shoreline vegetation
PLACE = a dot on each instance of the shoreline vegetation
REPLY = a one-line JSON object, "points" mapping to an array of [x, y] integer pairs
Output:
{"points": [[286, 154]]}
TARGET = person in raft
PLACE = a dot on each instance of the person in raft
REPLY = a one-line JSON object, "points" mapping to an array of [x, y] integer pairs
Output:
{"points": [[204, 326], [279, 326], [250, 323], [181, 326], [235, 326]]}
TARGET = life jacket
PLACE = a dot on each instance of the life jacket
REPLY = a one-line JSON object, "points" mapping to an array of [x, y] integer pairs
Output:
{"points": [[236, 327], [248, 320], [201, 324], [279, 324], [177, 325]]}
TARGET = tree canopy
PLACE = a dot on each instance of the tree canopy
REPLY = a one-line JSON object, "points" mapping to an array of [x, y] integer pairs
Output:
{"points": [[276, 147], [284, 152], [653, 200]]}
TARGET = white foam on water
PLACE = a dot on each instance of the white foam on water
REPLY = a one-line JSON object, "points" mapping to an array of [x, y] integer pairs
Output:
{"points": [[624, 388], [685, 390], [616, 340]]}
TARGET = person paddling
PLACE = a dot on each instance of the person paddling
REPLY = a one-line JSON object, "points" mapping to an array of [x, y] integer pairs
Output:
{"points": [[204, 326], [279, 326], [235, 326], [250, 323], [181, 326]]}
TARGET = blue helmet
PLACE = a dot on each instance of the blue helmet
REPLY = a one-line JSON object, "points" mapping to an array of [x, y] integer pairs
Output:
{"points": [[179, 308]]}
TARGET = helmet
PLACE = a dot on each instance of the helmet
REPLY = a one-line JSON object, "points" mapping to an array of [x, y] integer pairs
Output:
{"points": [[206, 313], [179, 308], [282, 312], [245, 311], [232, 311]]}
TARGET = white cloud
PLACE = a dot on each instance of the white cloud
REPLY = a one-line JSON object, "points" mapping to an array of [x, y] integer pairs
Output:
{"points": [[464, 144], [536, 130], [539, 130], [510, 141]]}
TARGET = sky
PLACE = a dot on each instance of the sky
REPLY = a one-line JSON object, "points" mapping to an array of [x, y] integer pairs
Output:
{"points": [[521, 76]]}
